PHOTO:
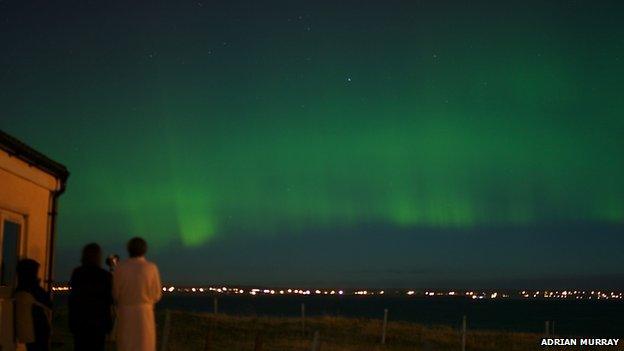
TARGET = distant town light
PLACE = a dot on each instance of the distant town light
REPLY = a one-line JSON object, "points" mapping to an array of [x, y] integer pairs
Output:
{"points": [[474, 295]]}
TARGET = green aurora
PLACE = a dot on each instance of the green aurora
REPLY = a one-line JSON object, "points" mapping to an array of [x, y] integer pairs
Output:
{"points": [[239, 120]]}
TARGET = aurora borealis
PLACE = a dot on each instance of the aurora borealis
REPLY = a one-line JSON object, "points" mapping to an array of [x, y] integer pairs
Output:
{"points": [[383, 143]]}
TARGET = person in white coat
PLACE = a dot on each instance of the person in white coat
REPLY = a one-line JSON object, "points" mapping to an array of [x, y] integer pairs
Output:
{"points": [[136, 288]]}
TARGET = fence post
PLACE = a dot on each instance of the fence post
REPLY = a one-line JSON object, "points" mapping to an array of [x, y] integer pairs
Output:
{"points": [[303, 321], [463, 332], [383, 328], [547, 328], [215, 305], [316, 342], [165, 338]]}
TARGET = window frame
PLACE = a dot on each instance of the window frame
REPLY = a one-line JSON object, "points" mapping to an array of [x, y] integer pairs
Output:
{"points": [[20, 220]]}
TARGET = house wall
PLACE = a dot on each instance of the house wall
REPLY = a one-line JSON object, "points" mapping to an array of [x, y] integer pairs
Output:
{"points": [[25, 193]]}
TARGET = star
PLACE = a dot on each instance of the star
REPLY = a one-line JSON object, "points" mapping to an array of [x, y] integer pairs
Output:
{"points": [[348, 79]]}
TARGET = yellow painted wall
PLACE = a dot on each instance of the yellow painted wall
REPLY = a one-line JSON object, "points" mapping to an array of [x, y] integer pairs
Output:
{"points": [[25, 191]]}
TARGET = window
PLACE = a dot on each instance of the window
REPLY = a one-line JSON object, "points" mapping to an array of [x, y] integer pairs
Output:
{"points": [[10, 231]]}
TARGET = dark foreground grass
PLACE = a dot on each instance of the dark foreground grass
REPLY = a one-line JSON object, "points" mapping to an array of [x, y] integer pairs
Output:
{"points": [[200, 331]]}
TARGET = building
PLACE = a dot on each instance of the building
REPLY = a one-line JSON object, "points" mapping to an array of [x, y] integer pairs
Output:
{"points": [[30, 185]]}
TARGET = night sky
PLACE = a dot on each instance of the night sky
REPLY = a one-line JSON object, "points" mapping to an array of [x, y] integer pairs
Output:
{"points": [[344, 143]]}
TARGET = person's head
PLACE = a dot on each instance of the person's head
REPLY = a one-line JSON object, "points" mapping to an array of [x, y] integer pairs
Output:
{"points": [[91, 255], [137, 247], [27, 274]]}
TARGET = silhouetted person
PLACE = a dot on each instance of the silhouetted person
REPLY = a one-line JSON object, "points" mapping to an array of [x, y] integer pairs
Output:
{"points": [[33, 308], [90, 301], [136, 288]]}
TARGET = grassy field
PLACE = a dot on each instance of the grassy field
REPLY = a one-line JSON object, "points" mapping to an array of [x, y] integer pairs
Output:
{"points": [[197, 332]]}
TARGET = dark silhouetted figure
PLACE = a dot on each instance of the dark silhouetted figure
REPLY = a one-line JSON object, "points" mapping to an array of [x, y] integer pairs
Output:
{"points": [[90, 301], [33, 308]]}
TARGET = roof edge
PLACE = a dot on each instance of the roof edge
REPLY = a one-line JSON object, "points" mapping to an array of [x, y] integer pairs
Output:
{"points": [[17, 148]]}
